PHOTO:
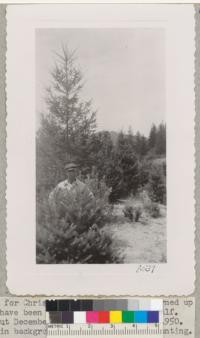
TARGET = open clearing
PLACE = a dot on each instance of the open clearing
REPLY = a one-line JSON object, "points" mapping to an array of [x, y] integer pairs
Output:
{"points": [[139, 242]]}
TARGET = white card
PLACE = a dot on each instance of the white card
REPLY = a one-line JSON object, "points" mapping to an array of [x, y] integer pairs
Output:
{"points": [[137, 64]]}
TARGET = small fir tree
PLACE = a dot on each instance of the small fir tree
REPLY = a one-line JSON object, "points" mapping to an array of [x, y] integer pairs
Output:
{"points": [[76, 235]]}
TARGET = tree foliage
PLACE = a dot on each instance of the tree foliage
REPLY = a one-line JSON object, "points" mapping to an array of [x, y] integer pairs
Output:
{"points": [[68, 123], [73, 115], [122, 173], [157, 139], [157, 183], [76, 234]]}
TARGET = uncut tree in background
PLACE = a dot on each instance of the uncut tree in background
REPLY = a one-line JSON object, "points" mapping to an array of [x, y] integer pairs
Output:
{"points": [[157, 139], [123, 172], [141, 146], [152, 137], [100, 151], [70, 121], [161, 139]]}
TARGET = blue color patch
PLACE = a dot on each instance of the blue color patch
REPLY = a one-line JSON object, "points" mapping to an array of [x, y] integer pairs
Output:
{"points": [[153, 317], [140, 316]]}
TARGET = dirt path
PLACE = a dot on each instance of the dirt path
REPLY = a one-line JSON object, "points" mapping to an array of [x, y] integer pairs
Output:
{"points": [[140, 242]]}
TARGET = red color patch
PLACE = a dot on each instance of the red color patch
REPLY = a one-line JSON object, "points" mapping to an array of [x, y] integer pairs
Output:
{"points": [[104, 317]]}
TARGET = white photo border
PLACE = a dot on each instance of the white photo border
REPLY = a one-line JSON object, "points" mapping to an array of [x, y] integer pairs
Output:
{"points": [[176, 277]]}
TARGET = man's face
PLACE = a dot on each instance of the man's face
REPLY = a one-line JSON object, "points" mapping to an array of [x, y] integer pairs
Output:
{"points": [[72, 174]]}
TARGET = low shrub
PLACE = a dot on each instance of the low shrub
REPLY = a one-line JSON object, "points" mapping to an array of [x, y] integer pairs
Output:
{"points": [[151, 207], [138, 213], [132, 212], [128, 212], [143, 196], [154, 210]]}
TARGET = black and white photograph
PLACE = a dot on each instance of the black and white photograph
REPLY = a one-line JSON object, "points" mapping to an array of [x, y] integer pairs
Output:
{"points": [[100, 146], [100, 150]]}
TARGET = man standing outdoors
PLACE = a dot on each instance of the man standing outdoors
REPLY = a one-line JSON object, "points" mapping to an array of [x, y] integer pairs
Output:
{"points": [[71, 185]]}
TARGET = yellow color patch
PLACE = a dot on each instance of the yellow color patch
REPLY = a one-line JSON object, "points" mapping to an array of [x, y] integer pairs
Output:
{"points": [[115, 316]]}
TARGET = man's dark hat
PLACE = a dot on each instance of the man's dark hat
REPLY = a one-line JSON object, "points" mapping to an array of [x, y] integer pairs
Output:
{"points": [[71, 165]]}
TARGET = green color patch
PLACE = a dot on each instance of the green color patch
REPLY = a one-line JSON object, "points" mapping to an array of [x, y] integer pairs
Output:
{"points": [[128, 317]]}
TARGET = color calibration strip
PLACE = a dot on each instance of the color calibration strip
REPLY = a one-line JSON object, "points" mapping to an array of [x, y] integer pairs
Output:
{"points": [[117, 311], [103, 317]]}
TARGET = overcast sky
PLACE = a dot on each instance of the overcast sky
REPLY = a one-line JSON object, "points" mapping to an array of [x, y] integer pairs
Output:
{"points": [[124, 72]]}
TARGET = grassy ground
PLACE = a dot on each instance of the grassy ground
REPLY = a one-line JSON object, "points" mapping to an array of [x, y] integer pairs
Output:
{"points": [[139, 242]]}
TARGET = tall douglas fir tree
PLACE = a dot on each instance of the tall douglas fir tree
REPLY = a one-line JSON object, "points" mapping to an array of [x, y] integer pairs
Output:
{"points": [[67, 124]]}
